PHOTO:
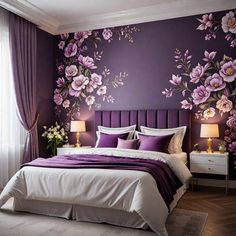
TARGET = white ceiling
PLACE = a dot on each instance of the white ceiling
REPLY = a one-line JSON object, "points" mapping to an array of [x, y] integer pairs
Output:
{"points": [[61, 16]]}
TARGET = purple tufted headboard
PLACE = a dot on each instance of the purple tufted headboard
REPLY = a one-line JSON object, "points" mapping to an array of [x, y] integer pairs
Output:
{"points": [[151, 118]]}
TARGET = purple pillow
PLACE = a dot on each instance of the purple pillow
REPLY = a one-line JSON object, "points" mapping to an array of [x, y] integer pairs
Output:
{"points": [[110, 140], [127, 144], [154, 143]]}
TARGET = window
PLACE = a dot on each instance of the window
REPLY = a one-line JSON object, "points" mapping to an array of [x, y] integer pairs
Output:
{"points": [[12, 134]]}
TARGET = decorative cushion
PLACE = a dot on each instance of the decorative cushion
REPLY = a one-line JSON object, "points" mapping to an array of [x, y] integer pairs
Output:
{"points": [[110, 140], [127, 144], [176, 142], [154, 143]]}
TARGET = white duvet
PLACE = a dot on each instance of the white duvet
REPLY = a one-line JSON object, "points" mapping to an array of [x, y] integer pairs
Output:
{"points": [[132, 191]]}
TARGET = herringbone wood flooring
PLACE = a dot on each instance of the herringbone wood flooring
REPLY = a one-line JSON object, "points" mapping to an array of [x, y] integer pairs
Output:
{"points": [[221, 209]]}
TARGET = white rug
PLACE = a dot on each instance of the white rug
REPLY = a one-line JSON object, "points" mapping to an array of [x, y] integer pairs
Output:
{"points": [[179, 223]]}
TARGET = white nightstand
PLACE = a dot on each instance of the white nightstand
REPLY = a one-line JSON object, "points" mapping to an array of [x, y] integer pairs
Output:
{"points": [[210, 163], [70, 150]]}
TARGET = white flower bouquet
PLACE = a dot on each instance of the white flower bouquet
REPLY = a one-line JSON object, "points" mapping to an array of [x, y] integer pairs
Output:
{"points": [[56, 137]]}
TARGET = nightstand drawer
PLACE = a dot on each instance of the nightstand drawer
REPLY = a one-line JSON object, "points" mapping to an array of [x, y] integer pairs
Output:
{"points": [[209, 169], [208, 160]]}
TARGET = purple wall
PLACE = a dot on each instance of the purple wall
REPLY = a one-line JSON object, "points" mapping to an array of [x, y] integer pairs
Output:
{"points": [[45, 84], [148, 61]]}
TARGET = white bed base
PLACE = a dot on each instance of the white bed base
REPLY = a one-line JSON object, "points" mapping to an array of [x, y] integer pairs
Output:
{"points": [[87, 213]]}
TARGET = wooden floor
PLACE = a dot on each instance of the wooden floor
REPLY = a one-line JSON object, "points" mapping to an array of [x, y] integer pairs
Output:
{"points": [[221, 209]]}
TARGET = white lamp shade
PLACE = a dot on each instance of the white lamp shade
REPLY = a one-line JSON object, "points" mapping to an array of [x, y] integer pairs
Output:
{"points": [[209, 131], [77, 126]]}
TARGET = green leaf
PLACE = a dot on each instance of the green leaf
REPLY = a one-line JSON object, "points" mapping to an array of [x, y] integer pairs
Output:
{"points": [[204, 106], [211, 99], [98, 39]]}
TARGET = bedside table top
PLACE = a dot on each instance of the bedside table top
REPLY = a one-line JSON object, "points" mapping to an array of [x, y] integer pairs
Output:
{"points": [[74, 147], [215, 153]]}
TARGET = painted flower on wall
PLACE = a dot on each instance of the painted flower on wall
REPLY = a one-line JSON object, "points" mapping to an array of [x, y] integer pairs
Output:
{"points": [[227, 24], [208, 87], [79, 80]]}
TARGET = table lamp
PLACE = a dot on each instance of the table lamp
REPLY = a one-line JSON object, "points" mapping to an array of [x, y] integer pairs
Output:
{"points": [[209, 131], [77, 126]]}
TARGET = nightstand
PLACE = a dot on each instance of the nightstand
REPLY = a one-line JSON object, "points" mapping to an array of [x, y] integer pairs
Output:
{"points": [[210, 163], [70, 150]]}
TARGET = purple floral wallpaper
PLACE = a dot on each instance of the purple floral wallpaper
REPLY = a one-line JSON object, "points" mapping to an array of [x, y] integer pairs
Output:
{"points": [[78, 79], [213, 79], [183, 63]]}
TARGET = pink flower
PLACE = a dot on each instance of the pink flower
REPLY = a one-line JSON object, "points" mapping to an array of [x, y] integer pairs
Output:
{"points": [[58, 98], [71, 71], [231, 122], [233, 112], [228, 71], [66, 103], [206, 22], [200, 95], [232, 147], [176, 80], [74, 93], [102, 90], [209, 56], [228, 23], [224, 104], [197, 73], [107, 34], [70, 50], [60, 82], [87, 62], [61, 45], [95, 81], [209, 113], [168, 92], [81, 36], [60, 68], [79, 82], [90, 100], [186, 105], [233, 43], [64, 36], [214, 83]]}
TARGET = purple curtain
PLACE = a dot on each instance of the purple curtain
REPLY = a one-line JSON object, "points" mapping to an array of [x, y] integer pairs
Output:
{"points": [[23, 45]]}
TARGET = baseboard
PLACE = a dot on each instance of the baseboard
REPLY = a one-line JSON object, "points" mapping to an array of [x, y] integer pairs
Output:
{"points": [[216, 183]]}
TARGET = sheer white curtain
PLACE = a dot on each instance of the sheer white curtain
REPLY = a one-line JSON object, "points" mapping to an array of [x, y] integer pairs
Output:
{"points": [[12, 134]]}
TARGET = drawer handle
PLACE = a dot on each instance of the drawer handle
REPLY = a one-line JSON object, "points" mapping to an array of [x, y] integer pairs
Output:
{"points": [[209, 168], [210, 160]]}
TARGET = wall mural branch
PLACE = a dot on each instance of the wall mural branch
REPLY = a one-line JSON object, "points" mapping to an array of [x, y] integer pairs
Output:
{"points": [[227, 24], [78, 80]]}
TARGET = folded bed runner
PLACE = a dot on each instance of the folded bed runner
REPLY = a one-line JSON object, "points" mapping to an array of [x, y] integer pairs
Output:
{"points": [[166, 180]]}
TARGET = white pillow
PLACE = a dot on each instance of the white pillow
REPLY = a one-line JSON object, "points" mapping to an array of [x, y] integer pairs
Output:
{"points": [[119, 130], [176, 142], [109, 130]]}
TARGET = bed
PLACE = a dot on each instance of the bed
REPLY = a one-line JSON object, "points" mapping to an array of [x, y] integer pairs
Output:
{"points": [[88, 195]]}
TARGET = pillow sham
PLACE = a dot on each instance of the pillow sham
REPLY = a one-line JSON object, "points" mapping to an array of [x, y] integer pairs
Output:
{"points": [[110, 140], [154, 143], [127, 144], [119, 130], [176, 142]]}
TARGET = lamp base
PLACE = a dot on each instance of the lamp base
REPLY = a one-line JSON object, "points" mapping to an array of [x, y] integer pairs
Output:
{"points": [[77, 145], [209, 145], [77, 140]]}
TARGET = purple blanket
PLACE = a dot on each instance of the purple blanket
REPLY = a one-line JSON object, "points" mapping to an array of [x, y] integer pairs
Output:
{"points": [[166, 180]]}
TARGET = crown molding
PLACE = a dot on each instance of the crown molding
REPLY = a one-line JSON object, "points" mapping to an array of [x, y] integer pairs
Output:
{"points": [[31, 13], [163, 10]]}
